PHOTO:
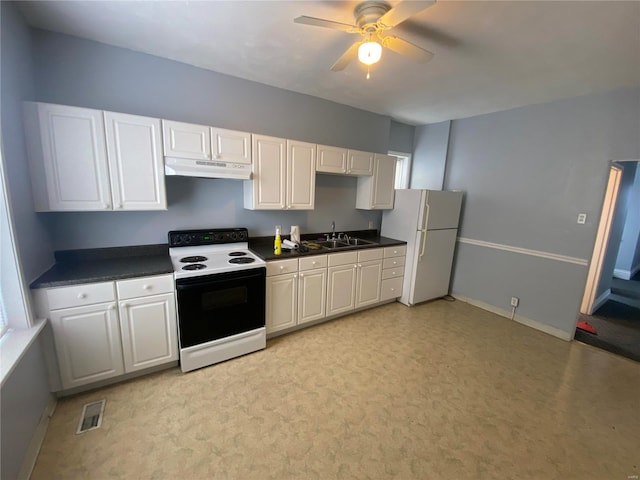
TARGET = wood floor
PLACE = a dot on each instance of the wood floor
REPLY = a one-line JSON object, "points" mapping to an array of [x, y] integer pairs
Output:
{"points": [[441, 390]]}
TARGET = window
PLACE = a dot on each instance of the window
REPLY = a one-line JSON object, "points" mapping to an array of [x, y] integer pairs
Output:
{"points": [[14, 309], [403, 169]]}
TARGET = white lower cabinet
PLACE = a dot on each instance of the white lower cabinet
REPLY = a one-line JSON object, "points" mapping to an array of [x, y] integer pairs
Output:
{"points": [[148, 328], [88, 343], [103, 330], [296, 291], [392, 272], [341, 282]]}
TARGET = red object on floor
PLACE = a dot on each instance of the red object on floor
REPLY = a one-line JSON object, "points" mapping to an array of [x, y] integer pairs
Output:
{"points": [[584, 325]]}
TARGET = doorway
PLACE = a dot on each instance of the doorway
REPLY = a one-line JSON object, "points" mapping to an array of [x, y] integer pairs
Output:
{"points": [[609, 316]]}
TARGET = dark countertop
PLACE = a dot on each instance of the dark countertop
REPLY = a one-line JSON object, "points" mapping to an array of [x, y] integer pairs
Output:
{"points": [[263, 246], [74, 267]]}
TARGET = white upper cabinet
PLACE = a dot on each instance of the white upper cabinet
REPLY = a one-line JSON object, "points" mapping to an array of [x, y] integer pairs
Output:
{"points": [[377, 192], [283, 175], [67, 158], [83, 159], [344, 161], [360, 163], [331, 159], [301, 175], [231, 145], [134, 148], [186, 140]]}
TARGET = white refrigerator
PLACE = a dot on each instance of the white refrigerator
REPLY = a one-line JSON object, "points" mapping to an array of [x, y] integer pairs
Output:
{"points": [[428, 221]]}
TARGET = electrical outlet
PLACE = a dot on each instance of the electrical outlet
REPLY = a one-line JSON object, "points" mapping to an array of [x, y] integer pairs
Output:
{"points": [[371, 227], [582, 218], [514, 301]]}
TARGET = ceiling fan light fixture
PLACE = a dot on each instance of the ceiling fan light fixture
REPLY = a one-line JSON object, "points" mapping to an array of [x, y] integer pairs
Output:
{"points": [[369, 52]]}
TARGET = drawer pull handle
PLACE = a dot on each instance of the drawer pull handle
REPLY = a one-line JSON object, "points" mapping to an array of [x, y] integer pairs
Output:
{"points": [[281, 267], [82, 296], [112, 307], [146, 287]]}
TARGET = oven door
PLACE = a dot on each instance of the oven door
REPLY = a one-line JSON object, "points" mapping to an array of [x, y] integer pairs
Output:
{"points": [[216, 306]]}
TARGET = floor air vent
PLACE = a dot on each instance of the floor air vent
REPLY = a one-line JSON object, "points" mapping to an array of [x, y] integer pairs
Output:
{"points": [[91, 417]]}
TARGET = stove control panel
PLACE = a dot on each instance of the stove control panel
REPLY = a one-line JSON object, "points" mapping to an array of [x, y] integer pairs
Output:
{"points": [[213, 236]]}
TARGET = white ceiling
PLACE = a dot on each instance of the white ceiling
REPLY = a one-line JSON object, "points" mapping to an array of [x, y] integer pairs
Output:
{"points": [[489, 55]]}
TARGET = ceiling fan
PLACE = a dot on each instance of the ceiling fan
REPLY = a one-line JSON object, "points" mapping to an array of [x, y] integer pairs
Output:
{"points": [[373, 19]]}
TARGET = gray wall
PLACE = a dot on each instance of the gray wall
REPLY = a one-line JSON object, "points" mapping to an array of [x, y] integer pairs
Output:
{"points": [[430, 156], [73, 71], [401, 137], [25, 393], [628, 260], [527, 173]]}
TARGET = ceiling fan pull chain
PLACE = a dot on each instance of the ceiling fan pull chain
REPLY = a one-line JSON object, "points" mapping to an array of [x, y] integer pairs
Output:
{"points": [[368, 73]]}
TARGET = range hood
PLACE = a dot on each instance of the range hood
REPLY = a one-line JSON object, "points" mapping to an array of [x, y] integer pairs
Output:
{"points": [[188, 167]]}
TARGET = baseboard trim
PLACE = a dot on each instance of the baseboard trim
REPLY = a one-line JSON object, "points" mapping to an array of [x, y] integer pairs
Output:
{"points": [[30, 457], [598, 302], [548, 329], [525, 251], [626, 274]]}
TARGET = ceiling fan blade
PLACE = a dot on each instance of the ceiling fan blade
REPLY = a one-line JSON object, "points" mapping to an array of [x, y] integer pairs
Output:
{"points": [[320, 22], [402, 11], [407, 49], [343, 61]]}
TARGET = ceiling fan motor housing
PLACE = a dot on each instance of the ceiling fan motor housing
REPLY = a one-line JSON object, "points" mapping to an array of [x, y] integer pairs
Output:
{"points": [[368, 13]]}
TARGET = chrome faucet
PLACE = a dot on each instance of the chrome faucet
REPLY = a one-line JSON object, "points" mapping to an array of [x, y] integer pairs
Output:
{"points": [[333, 229]]}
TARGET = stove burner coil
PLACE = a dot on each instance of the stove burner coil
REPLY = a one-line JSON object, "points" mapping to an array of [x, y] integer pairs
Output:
{"points": [[237, 254], [193, 259], [194, 266], [242, 260]]}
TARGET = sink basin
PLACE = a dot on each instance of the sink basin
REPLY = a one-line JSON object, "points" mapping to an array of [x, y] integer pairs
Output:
{"points": [[333, 243], [359, 241]]}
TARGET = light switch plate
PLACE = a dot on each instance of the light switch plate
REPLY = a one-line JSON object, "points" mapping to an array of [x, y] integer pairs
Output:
{"points": [[582, 218]]}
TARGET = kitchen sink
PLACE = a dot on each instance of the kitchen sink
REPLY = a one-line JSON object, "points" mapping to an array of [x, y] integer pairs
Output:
{"points": [[333, 243], [359, 241]]}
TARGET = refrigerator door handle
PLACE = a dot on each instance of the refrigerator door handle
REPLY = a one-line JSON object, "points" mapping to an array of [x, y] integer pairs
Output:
{"points": [[424, 231]]}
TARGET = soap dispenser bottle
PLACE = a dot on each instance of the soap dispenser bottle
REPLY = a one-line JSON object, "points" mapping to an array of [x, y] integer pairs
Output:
{"points": [[277, 243]]}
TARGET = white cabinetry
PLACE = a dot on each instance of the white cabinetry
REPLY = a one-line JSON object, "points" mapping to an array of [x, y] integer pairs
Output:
{"points": [[78, 163], [99, 334], [201, 142], [377, 192], [147, 321], [296, 291], [344, 161], [283, 175], [369, 277], [392, 272], [341, 282]]}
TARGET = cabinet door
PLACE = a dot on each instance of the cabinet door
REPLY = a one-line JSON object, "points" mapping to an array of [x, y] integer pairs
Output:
{"points": [[360, 163], [384, 180], [267, 189], [74, 157], [282, 296], [312, 294], [301, 175], [186, 140], [331, 159], [377, 192], [134, 147], [149, 331], [87, 344], [231, 145], [368, 285], [341, 289]]}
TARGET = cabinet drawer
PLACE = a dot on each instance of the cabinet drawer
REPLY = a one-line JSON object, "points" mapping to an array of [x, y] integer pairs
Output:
{"points": [[396, 251], [309, 263], [343, 258], [392, 272], [391, 288], [370, 254], [79, 295], [280, 267], [141, 287], [393, 262]]}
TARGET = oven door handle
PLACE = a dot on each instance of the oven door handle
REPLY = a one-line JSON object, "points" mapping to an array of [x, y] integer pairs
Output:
{"points": [[208, 280]]}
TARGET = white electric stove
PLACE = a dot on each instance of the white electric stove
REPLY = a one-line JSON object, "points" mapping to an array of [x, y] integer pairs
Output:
{"points": [[220, 291]]}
